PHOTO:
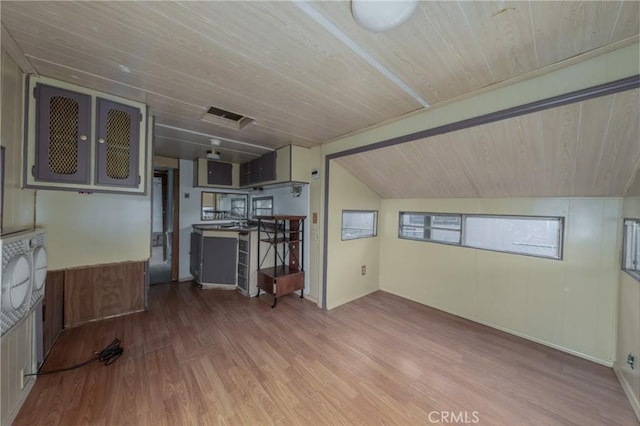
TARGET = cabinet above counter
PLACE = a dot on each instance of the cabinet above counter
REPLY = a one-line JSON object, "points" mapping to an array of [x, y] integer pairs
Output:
{"points": [[286, 164]]}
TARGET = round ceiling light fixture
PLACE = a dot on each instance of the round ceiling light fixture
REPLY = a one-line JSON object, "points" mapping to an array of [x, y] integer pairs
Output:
{"points": [[215, 141], [378, 16]]}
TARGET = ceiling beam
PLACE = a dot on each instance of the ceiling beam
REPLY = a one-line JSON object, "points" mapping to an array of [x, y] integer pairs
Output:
{"points": [[10, 45]]}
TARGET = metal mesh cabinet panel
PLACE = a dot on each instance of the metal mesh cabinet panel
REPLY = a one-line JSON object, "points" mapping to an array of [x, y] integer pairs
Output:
{"points": [[117, 148], [63, 135]]}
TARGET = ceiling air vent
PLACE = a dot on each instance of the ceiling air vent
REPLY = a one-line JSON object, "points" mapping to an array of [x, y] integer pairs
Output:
{"points": [[226, 118]]}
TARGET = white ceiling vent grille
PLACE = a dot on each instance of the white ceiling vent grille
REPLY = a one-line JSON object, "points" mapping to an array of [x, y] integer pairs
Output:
{"points": [[226, 118]]}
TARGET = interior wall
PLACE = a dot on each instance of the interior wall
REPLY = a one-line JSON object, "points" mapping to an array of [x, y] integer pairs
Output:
{"points": [[629, 315], [568, 304], [94, 229], [315, 229], [346, 258], [156, 214], [86, 229], [189, 214], [18, 204], [16, 347]]}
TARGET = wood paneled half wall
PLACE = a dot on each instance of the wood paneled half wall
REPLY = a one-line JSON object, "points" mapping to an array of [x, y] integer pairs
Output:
{"points": [[102, 291], [53, 309]]}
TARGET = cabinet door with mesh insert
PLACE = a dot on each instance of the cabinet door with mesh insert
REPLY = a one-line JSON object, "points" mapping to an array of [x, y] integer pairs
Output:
{"points": [[117, 143], [63, 135]]}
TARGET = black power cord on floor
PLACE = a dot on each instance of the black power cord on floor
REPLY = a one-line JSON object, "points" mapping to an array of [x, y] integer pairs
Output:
{"points": [[107, 356]]}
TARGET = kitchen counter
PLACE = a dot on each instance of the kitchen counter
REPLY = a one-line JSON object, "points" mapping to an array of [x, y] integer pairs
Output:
{"points": [[223, 227]]}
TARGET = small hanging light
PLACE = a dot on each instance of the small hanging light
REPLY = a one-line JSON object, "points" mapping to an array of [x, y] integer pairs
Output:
{"points": [[383, 15]]}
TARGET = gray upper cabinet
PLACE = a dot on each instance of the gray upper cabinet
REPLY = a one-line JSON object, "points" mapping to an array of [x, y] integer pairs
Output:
{"points": [[268, 167], [63, 135], [261, 169], [219, 173], [245, 174], [117, 150], [286, 164], [80, 139]]}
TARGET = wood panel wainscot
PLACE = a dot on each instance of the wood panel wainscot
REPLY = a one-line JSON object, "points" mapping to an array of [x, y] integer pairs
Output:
{"points": [[52, 309], [102, 291]]}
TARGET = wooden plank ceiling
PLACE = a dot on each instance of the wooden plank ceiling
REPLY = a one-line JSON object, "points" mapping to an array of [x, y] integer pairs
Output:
{"points": [[270, 61], [590, 148]]}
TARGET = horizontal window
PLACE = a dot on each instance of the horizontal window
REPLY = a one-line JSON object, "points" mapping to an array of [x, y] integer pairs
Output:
{"points": [[442, 228], [528, 235], [359, 224], [631, 248], [262, 206], [535, 236]]}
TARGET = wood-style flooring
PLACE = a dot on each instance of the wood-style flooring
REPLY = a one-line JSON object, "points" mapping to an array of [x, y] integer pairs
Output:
{"points": [[201, 357]]}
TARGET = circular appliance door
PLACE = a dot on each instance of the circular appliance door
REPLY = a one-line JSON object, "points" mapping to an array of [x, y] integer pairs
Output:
{"points": [[16, 282], [39, 268]]}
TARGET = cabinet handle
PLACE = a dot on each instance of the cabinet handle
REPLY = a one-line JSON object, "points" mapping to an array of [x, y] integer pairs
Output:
{"points": [[101, 140], [83, 137]]}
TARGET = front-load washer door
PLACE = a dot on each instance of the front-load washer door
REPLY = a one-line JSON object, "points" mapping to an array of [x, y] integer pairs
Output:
{"points": [[16, 290]]}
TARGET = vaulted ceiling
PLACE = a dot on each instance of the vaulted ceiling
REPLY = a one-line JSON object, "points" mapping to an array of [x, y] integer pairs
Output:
{"points": [[304, 83], [589, 148]]}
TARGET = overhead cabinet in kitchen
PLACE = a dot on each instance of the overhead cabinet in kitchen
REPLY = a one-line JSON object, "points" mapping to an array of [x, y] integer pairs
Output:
{"points": [[287, 164], [82, 139], [212, 173]]}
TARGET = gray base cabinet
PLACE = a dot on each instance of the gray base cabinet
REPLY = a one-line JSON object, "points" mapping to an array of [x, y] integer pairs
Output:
{"points": [[214, 259]]}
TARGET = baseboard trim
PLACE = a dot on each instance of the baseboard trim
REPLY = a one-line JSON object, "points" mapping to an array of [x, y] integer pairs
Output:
{"points": [[626, 387], [544, 343], [515, 333], [21, 399]]}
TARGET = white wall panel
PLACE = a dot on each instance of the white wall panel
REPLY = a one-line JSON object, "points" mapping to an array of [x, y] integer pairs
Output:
{"points": [[628, 325], [18, 203], [92, 229], [345, 258], [569, 304], [189, 214]]}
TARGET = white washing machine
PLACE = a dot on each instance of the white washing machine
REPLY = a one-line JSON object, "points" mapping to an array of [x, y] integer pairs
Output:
{"points": [[37, 244], [22, 276]]}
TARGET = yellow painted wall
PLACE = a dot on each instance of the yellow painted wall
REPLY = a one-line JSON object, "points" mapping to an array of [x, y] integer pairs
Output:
{"points": [[315, 247], [159, 161], [92, 229], [18, 208], [629, 315], [568, 304], [16, 347], [345, 258], [97, 228]]}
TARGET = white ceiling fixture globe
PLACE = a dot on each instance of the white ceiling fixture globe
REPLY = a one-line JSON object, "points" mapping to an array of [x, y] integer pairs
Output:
{"points": [[382, 15]]}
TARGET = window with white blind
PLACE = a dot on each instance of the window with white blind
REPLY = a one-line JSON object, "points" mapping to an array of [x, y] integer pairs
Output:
{"points": [[631, 248], [531, 235], [262, 206], [527, 235], [442, 228], [359, 224]]}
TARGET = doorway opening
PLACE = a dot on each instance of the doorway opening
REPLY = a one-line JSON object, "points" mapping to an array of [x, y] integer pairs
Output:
{"points": [[163, 264]]}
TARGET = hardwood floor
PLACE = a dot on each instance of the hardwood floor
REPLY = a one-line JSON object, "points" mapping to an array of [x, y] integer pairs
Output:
{"points": [[214, 357]]}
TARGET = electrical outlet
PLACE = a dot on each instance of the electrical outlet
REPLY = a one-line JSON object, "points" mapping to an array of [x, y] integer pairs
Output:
{"points": [[21, 378], [631, 360], [364, 269]]}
